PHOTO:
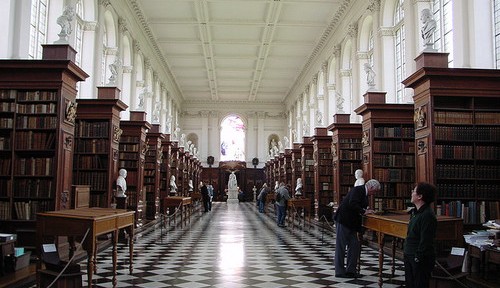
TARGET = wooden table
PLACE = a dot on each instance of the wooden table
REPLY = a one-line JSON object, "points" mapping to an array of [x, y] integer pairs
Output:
{"points": [[76, 222], [396, 225], [180, 202], [298, 205]]}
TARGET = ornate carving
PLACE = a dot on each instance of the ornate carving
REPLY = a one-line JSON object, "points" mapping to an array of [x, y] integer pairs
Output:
{"points": [[420, 117], [117, 133], [421, 146], [122, 24], [90, 26], [365, 139], [334, 149], [71, 112], [374, 6], [352, 30]]}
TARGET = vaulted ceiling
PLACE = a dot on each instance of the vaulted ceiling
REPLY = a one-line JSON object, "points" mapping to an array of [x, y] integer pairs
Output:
{"points": [[239, 50]]}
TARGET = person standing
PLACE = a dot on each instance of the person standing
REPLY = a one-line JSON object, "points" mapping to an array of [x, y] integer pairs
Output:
{"points": [[210, 189], [204, 196], [419, 253], [348, 220], [262, 197], [282, 197]]}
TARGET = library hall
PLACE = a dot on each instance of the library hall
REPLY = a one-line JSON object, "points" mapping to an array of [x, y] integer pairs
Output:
{"points": [[249, 143]]}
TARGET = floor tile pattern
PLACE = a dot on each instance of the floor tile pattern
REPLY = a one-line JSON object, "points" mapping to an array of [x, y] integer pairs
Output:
{"points": [[236, 246]]}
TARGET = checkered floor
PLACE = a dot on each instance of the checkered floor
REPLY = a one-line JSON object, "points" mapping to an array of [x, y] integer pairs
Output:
{"points": [[235, 246]]}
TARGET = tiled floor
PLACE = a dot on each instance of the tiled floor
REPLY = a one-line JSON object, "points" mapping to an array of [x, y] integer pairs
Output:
{"points": [[235, 246]]}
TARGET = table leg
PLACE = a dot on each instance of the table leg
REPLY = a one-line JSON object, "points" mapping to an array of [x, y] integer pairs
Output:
{"points": [[393, 269], [380, 239], [131, 248], [90, 266], [115, 241]]}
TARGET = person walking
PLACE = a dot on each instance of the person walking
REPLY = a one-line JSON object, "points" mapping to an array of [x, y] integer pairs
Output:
{"points": [[282, 197], [261, 198], [348, 221], [418, 248]]}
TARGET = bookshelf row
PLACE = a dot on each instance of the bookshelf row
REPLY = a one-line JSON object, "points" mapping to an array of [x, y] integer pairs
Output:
{"points": [[473, 212], [467, 152], [98, 181], [34, 166], [394, 160], [99, 162], [33, 188], [394, 132], [24, 210], [92, 129], [393, 147], [460, 133], [470, 191], [34, 140], [394, 175], [28, 95], [92, 146], [36, 122], [453, 117], [467, 171]]}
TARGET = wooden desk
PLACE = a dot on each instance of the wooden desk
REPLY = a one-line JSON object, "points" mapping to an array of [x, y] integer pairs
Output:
{"points": [[296, 206], [75, 222], [180, 202], [396, 225]]}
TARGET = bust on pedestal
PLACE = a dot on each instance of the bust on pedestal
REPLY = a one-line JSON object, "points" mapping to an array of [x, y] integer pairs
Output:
{"points": [[121, 188]]}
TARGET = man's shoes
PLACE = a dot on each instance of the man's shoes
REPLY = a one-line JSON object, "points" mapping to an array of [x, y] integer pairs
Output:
{"points": [[281, 225], [353, 275], [342, 276]]}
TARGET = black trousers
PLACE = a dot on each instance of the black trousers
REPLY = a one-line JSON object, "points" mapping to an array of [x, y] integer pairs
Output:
{"points": [[418, 275]]}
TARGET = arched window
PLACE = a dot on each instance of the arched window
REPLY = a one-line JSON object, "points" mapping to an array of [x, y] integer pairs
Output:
{"points": [[78, 32], [399, 50], [232, 139], [38, 28]]}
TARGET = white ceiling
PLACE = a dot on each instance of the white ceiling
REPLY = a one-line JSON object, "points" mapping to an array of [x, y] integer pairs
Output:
{"points": [[238, 50]]}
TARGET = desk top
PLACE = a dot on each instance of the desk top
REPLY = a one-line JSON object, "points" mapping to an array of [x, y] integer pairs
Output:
{"points": [[176, 200], [93, 213]]}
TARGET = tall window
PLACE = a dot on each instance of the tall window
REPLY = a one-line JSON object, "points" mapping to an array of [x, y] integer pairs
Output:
{"points": [[496, 12], [370, 47], [38, 28], [103, 59], [399, 49], [443, 36], [232, 139]]}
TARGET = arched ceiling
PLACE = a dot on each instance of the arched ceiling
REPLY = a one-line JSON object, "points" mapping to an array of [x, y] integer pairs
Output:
{"points": [[239, 50]]}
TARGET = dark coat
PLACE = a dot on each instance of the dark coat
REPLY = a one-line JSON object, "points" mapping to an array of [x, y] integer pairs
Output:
{"points": [[204, 193], [352, 208]]}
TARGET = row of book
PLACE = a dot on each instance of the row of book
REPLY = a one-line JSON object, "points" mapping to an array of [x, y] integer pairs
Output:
{"points": [[28, 210], [393, 160], [349, 168], [394, 175], [5, 166], [36, 95], [7, 107], [396, 189], [453, 117], [481, 191], [33, 188], [467, 171], [454, 152], [92, 145], [399, 132], [4, 143], [473, 212], [97, 180], [45, 108], [461, 133], [32, 166], [393, 146], [30, 140], [5, 212], [36, 122], [92, 129], [91, 162], [350, 154]]}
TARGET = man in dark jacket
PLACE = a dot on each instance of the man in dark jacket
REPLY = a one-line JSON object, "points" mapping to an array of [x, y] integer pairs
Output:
{"points": [[348, 220], [205, 196], [419, 254]]}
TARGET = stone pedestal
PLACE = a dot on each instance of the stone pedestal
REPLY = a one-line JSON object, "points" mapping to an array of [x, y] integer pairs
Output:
{"points": [[232, 196]]}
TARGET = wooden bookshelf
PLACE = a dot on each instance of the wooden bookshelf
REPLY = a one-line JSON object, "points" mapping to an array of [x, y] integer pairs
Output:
{"points": [[97, 136], [457, 120], [307, 168], [132, 152], [347, 151], [287, 170], [37, 122], [166, 146], [174, 168], [388, 141], [152, 174], [323, 174]]}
